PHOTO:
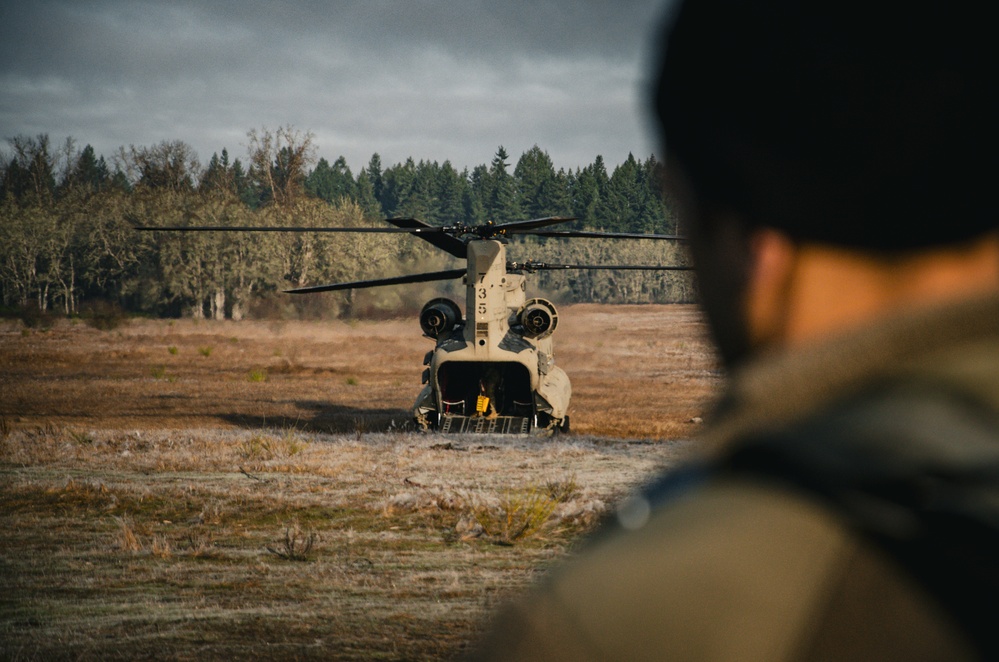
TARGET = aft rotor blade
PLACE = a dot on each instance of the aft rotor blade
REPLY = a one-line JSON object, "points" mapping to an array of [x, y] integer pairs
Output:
{"points": [[397, 280], [543, 266], [445, 242], [592, 234]]}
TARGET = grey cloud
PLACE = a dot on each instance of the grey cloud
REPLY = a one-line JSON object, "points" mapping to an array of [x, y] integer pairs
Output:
{"points": [[428, 79]]}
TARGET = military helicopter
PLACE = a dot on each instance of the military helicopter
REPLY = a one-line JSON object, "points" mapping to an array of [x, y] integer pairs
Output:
{"points": [[492, 371]]}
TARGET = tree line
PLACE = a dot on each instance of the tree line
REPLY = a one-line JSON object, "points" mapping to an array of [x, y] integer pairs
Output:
{"points": [[67, 217]]}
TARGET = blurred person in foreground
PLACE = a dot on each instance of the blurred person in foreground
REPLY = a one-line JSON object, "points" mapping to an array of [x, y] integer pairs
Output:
{"points": [[836, 169]]}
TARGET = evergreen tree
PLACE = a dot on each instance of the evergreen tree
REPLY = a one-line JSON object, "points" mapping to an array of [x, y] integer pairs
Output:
{"points": [[397, 183], [558, 200], [452, 189], [366, 198], [16, 181], [541, 191], [244, 187], [477, 193], [621, 203], [331, 182], [588, 189], [119, 182], [659, 215], [502, 205], [102, 174], [30, 176], [374, 172], [422, 200], [215, 177], [88, 172], [472, 199]]}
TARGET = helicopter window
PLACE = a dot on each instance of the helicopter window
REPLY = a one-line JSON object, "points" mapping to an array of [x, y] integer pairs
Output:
{"points": [[507, 385]]}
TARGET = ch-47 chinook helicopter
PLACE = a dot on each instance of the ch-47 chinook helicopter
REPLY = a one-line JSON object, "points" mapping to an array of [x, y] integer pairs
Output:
{"points": [[492, 371]]}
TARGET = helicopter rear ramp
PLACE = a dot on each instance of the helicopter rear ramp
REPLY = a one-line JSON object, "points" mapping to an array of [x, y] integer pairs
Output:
{"points": [[482, 425]]}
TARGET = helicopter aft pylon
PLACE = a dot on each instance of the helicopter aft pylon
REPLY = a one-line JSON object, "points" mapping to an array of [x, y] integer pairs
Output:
{"points": [[494, 370]]}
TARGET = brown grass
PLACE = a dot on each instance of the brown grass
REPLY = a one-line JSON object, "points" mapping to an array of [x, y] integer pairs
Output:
{"points": [[203, 515], [636, 371]]}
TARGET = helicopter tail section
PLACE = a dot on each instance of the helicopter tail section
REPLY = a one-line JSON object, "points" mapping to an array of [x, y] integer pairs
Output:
{"points": [[489, 397]]}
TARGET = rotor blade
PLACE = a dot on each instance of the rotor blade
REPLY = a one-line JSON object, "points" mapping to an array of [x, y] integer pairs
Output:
{"points": [[445, 242], [397, 280], [278, 228], [517, 227], [413, 226], [530, 267], [591, 234]]}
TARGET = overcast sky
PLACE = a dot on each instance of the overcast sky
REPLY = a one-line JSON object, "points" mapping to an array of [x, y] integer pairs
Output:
{"points": [[429, 79]]}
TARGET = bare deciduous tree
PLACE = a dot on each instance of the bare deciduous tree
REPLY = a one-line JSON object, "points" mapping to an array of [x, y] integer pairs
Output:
{"points": [[172, 165], [279, 161]]}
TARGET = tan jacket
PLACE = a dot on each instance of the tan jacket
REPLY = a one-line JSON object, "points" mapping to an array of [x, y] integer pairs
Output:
{"points": [[767, 565]]}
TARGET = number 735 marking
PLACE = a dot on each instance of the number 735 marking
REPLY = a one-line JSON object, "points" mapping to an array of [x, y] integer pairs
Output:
{"points": [[481, 307]]}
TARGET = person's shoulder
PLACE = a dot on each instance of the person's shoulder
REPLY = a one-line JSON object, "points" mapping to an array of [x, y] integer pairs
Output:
{"points": [[724, 574], [737, 566], [735, 570]]}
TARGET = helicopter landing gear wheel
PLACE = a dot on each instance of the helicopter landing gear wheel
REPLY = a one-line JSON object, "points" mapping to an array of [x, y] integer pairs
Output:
{"points": [[426, 422], [552, 426]]}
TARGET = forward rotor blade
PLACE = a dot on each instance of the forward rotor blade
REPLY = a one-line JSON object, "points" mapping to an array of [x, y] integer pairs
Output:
{"points": [[450, 244], [531, 267], [445, 242], [397, 280], [519, 227], [278, 228], [592, 234]]}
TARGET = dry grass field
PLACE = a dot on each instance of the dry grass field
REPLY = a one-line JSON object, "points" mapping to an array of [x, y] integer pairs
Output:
{"points": [[202, 490]]}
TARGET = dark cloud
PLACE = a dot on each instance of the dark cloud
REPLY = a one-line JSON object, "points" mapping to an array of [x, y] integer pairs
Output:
{"points": [[428, 79]]}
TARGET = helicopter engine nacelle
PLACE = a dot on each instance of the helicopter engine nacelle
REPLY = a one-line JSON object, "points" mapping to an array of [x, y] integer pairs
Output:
{"points": [[538, 317], [439, 317]]}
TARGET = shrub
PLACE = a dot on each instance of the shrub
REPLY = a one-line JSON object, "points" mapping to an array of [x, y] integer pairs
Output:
{"points": [[103, 315], [296, 544], [32, 318], [520, 514], [562, 490]]}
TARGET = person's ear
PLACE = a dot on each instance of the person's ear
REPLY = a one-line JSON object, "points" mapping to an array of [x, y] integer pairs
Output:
{"points": [[770, 277]]}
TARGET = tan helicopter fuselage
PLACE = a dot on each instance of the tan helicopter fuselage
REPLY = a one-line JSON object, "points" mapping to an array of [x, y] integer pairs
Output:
{"points": [[491, 374]]}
